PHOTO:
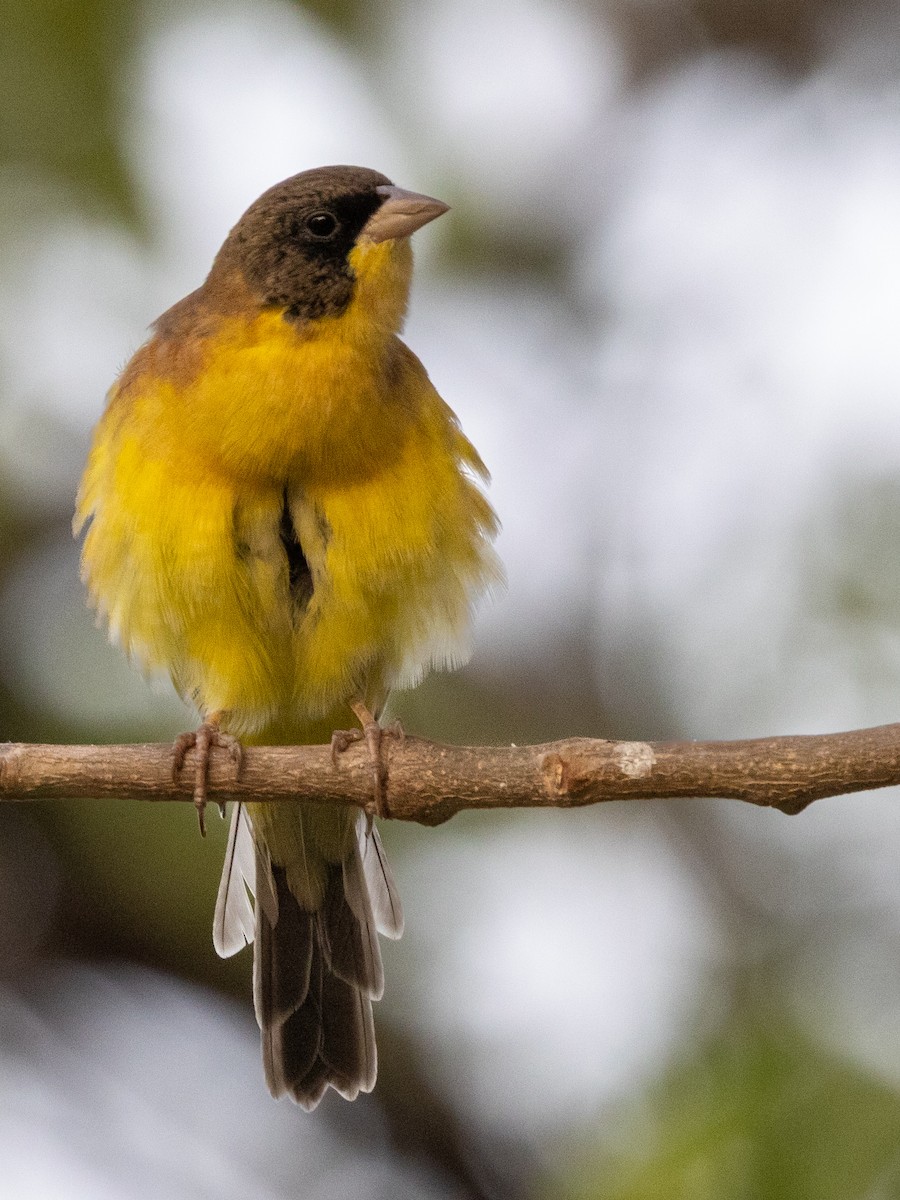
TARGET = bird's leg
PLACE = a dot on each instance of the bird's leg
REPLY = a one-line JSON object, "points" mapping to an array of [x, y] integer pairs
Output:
{"points": [[374, 736], [201, 741]]}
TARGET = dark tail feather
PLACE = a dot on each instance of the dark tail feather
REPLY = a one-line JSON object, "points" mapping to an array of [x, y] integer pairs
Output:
{"points": [[315, 975], [283, 961]]}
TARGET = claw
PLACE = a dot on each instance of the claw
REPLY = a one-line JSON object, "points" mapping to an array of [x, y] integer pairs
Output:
{"points": [[395, 730], [201, 741], [374, 736]]}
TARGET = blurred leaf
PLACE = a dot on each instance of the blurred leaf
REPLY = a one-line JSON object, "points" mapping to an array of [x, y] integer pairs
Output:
{"points": [[341, 15], [789, 30], [760, 1114], [143, 885], [60, 93], [852, 580]]}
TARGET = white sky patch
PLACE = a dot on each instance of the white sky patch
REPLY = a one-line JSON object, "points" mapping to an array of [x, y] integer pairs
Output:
{"points": [[848, 991], [58, 659], [178, 1103], [749, 266], [81, 293], [76, 294], [565, 956], [506, 93], [509, 363]]}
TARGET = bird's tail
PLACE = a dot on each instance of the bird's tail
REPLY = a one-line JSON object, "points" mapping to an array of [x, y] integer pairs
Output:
{"points": [[317, 965]]}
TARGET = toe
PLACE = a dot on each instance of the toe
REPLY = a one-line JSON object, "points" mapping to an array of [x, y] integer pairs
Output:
{"points": [[183, 743], [342, 740]]}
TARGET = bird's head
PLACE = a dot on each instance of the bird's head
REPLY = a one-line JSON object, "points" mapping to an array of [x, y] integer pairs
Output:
{"points": [[316, 242]]}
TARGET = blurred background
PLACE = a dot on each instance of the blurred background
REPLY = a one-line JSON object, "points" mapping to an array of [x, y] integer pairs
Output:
{"points": [[665, 308]]}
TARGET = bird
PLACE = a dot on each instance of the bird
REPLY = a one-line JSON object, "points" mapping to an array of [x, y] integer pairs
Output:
{"points": [[280, 512]]}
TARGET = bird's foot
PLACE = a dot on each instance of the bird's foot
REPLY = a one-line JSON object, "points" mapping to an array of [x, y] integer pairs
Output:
{"points": [[202, 741], [373, 734]]}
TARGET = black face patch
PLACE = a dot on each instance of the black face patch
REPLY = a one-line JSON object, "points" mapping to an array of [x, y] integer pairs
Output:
{"points": [[292, 243]]}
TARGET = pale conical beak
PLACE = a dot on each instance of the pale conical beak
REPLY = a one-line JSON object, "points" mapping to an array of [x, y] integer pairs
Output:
{"points": [[401, 214]]}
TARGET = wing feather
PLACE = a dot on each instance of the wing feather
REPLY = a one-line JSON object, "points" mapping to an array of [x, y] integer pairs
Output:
{"points": [[233, 922], [383, 894]]}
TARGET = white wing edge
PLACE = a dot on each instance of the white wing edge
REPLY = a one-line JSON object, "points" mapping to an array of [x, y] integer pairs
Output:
{"points": [[383, 894], [234, 923]]}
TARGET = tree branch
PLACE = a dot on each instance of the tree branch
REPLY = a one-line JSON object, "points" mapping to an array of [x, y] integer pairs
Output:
{"points": [[429, 782]]}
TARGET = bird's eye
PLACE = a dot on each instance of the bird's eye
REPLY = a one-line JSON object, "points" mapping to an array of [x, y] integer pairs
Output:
{"points": [[321, 224]]}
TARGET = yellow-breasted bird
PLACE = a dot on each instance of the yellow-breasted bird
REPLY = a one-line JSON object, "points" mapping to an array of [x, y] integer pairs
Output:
{"points": [[284, 515]]}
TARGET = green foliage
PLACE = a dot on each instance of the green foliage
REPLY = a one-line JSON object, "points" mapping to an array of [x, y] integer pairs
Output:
{"points": [[760, 1113], [62, 93]]}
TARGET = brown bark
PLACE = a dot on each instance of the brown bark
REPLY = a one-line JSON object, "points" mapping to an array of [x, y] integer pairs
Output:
{"points": [[429, 782]]}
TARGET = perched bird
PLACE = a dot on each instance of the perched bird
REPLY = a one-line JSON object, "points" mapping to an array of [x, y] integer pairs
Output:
{"points": [[283, 514]]}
